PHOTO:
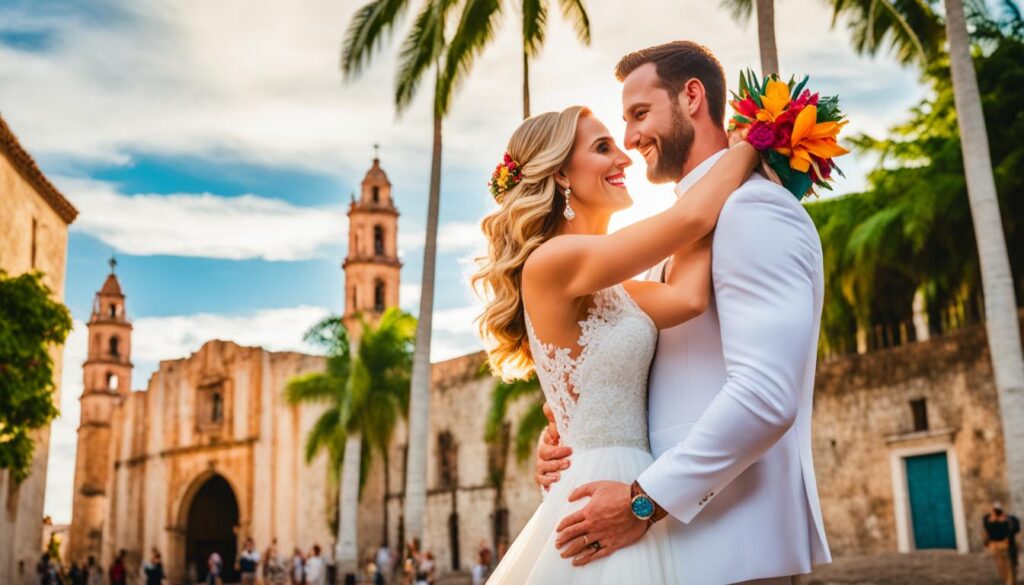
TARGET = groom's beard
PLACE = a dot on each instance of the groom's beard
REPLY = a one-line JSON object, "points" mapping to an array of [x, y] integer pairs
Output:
{"points": [[673, 150]]}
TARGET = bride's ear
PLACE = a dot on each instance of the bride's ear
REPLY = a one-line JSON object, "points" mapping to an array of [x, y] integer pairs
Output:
{"points": [[561, 180]]}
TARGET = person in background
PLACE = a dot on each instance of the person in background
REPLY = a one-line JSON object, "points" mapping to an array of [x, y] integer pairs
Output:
{"points": [[93, 573], [1014, 551], [297, 567], [43, 570], [117, 572], [76, 575], [316, 568], [482, 568], [248, 561], [274, 571], [385, 561], [997, 541], [425, 573], [213, 569], [154, 569]]}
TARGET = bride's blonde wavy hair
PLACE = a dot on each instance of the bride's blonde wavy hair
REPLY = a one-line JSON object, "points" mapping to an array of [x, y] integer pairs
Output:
{"points": [[527, 217]]}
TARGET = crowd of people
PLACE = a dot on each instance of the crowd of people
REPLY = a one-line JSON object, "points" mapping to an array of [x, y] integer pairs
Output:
{"points": [[270, 567]]}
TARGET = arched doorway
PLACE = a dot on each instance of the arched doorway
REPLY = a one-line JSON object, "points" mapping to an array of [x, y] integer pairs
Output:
{"points": [[211, 527]]}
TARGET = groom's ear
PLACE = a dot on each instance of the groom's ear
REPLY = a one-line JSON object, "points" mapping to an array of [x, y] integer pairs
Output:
{"points": [[693, 97]]}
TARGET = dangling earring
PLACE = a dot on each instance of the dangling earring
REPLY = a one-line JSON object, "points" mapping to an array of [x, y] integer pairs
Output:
{"points": [[568, 213]]}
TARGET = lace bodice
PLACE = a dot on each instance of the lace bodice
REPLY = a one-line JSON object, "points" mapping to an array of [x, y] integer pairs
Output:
{"points": [[599, 397]]}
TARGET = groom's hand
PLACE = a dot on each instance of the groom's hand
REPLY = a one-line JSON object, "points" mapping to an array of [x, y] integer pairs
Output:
{"points": [[606, 519], [552, 457]]}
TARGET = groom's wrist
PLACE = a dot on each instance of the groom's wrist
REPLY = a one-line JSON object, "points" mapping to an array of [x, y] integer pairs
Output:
{"points": [[637, 490]]}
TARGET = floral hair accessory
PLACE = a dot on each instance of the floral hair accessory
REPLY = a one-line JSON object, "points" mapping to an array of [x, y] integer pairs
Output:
{"points": [[506, 176], [794, 130]]}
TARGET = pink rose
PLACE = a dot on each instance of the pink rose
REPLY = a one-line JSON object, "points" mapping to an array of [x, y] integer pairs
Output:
{"points": [[761, 136]]}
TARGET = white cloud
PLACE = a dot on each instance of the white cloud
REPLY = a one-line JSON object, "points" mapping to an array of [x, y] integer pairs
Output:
{"points": [[203, 224], [409, 297], [186, 79], [452, 236]]}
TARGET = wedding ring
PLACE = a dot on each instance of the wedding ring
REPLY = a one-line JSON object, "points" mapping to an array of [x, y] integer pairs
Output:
{"points": [[585, 540], [595, 545]]}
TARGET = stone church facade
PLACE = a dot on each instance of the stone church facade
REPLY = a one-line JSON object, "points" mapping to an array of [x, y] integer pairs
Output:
{"points": [[907, 445], [34, 219]]}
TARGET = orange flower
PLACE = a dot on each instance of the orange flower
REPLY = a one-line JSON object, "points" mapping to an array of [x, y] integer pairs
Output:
{"points": [[810, 138]]}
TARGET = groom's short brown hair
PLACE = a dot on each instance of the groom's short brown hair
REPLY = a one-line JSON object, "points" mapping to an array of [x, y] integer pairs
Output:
{"points": [[677, 62]]}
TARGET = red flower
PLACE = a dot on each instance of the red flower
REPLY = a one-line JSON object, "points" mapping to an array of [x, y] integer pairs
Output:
{"points": [[807, 99], [746, 107], [783, 134], [761, 136]]}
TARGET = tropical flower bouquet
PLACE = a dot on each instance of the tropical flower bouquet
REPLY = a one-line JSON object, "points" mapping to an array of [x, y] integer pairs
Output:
{"points": [[795, 130]]}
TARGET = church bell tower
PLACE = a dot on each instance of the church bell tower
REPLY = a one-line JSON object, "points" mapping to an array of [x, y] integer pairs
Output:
{"points": [[107, 379], [372, 267]]}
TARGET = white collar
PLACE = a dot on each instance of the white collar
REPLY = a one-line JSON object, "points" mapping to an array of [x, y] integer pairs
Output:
{"points": [[698, 172]]}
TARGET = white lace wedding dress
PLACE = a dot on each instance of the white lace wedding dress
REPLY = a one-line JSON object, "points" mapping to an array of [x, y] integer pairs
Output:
{"points": [[599, 398]]}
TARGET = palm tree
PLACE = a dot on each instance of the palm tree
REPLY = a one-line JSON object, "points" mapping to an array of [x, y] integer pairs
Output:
{"points": [[741, 12], [366, 391], [422, 53], [480, 21], [532, 421], [914, 30]]}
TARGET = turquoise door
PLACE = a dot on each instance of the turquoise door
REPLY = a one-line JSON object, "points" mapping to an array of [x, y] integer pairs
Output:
{"points": [[931, 508]]}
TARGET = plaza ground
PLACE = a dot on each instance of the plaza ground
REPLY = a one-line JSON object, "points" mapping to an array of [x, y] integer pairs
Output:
{"points": [[919, 568]]}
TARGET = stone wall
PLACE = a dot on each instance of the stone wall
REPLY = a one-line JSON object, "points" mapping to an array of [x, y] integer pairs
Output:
{"points": [[28, 203], [863, 424]]}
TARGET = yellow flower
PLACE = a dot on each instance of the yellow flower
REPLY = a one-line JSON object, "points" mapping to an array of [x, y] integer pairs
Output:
{"points": [[774, 100]]}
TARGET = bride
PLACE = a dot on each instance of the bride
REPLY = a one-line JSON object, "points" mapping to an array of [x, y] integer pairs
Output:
{"points": [[559, 300]]}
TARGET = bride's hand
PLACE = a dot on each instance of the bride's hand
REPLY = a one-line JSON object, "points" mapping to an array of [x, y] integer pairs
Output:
{"points": [[738, 135]]}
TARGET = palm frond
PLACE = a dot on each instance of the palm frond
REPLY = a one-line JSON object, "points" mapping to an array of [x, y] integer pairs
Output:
{"points": [[476, 29], [911, 29], [330, 334], [502, 396], [742, 10], [369, 29], [312, 387], [325, 434], [528, 431], [535, 25], [423, 47], [574, 12]]}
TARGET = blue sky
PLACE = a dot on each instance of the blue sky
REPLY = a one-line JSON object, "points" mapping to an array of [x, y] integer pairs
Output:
{"points": [[213, 147]]}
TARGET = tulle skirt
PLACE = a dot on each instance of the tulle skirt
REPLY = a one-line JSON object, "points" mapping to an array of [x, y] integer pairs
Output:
{"points": [[533, 559]]}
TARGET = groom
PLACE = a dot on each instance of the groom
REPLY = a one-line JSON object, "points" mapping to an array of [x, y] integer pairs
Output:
{"points": [[730, 391]]}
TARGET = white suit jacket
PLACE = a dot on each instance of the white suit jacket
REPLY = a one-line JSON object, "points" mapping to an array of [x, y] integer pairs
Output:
{"points": [[730, 399]]}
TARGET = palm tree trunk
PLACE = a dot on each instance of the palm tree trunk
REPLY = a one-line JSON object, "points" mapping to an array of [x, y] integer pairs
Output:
{"points": [[526, 84], [766, 37], [346, 553], [419, 389], [385, 540], [1001, 321]]}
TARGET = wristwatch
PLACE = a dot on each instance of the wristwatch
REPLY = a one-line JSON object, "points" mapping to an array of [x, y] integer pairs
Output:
{"points": [[643, 507]]}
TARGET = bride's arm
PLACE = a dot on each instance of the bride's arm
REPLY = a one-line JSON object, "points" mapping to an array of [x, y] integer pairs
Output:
{"points": [[686, 291], [579, 265]]}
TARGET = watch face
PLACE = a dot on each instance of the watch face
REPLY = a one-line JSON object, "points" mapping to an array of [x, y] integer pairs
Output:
{"points": [[643, 507]]}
